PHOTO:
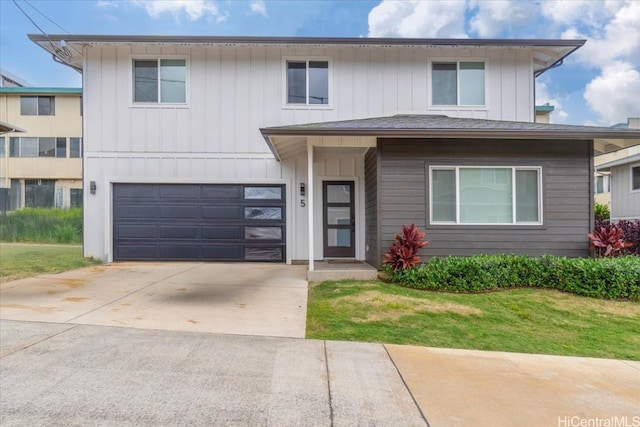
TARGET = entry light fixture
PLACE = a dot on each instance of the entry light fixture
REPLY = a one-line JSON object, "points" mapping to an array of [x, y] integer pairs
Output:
{"points": [[302, 189], [92, 187]]}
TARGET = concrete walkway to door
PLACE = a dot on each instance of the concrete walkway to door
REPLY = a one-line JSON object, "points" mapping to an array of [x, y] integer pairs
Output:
{"points": [[246, 299]]}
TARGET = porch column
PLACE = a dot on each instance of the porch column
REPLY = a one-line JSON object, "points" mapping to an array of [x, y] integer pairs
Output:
{"points": [[310, 201]]}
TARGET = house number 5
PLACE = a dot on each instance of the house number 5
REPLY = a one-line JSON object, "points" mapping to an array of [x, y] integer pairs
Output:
{"points": [[302, 203]]}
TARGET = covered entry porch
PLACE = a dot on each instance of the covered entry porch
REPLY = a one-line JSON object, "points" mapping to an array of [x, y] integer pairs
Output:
{"points": [[329, 212]]}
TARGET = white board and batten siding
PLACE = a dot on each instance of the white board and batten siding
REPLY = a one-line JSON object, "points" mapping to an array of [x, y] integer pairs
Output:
{"points": [[232, 91]]}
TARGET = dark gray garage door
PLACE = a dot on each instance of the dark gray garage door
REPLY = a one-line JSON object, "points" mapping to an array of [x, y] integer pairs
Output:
{"points": [[199, 222]]}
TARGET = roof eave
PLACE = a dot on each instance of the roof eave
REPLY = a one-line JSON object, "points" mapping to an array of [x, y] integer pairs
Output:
{"points": [[451, 133]]}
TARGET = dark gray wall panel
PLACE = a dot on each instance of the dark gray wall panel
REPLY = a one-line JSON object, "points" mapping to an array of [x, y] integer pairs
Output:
{"points": [[403, 195], [193, 222], [372, 240]]}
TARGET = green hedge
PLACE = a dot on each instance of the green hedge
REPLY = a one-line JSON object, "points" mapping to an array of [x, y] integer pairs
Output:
{"points": [[42, 226], [611, 278]]}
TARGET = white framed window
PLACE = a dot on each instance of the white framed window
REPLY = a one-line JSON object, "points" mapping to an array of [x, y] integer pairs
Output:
{"points": [[635, 178], [485, 195], [458, 83], [160, 81], [307, 81], [602, 184]]}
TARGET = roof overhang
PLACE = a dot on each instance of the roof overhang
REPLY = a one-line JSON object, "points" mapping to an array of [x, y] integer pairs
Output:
{"points": [[619, 162], [282, 138], [69, 48], [9, 128]]}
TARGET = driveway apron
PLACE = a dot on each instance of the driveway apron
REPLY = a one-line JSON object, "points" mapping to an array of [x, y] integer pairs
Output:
{"points": [[232, 298]]}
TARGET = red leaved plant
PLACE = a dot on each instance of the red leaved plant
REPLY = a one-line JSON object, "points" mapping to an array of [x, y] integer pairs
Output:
{"points": [[608, 240], [403, 252]]}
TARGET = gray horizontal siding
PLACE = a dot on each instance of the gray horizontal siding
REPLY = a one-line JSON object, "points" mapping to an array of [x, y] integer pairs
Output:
{"points": [[372, 241], [403, 195]]}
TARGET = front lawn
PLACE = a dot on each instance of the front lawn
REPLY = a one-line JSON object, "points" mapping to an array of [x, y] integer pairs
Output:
{"points": [[21, 260], [519, 320]]}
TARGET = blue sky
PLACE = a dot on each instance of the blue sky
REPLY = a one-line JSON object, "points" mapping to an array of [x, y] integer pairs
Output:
{"points": [[599, 84]]}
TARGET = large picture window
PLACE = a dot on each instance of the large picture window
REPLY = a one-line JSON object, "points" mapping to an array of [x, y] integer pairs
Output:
{"points": [[307, 82], [458, 83], [160, 81], [38, 147], [485, 195]]}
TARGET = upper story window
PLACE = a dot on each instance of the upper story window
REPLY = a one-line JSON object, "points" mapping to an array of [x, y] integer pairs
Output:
{"points": [[307, 82], [635, 178], [458, 83], [2, 146], [44, 147], [160, 81], [485, 195], [38, 105]]}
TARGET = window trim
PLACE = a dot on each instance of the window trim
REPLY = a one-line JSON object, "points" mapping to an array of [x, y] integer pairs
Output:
{"points": [[307, 106], [631, 167], [158, 104], [444, 60], [514, 169]]}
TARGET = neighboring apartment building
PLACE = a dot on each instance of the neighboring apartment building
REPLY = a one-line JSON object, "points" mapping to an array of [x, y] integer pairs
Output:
{"points": [[42, 166], [617, 180], [307, 149]]}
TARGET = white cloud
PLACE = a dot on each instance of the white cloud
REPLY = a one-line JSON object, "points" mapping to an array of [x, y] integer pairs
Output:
{"points": [[258, 6], [544, 97], [614, 93], [617, 39], [195, 9], [417, 18], [493, 16], [106, 4]]}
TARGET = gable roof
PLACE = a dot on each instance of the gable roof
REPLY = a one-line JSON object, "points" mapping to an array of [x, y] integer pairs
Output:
{"points": [[68, 48], [440, 126]]}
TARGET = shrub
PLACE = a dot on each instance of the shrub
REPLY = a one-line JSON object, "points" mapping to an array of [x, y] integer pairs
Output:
{"points": [[602, 212], [630, 234], [609, 241], [612, 278], [403, 252]]}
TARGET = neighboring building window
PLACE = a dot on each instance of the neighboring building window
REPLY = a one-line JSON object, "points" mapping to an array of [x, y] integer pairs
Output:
{"points": [[602, 184], [3, 149], [308, 82], [635, 178], [75, 147], [458, 83], [75, 197], [38, 105], [37, 147], [61, 147], [160, 81], [39, 193], [485, 195]]}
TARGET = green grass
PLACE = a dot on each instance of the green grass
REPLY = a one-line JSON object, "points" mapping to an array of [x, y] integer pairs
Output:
{"points": [[42, 226], [520, 320], [19, 261]]}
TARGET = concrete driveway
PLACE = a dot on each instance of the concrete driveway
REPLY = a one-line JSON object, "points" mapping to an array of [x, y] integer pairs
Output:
{"points": [[247, 299]]}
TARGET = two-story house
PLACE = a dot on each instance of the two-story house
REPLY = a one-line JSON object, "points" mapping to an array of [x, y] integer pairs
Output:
{"points": [[42, 166], [308, 149]]}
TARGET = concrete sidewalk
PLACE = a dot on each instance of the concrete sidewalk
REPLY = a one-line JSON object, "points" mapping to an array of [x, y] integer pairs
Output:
{"points": [[64, 374]]}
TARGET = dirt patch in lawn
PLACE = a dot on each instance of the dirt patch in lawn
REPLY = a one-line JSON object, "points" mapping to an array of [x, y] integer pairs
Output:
{"points": [[568, 302], [392, 307]]}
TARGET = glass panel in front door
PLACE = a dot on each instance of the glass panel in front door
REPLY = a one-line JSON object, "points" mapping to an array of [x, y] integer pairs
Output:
{"points": [[339, 219]]}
